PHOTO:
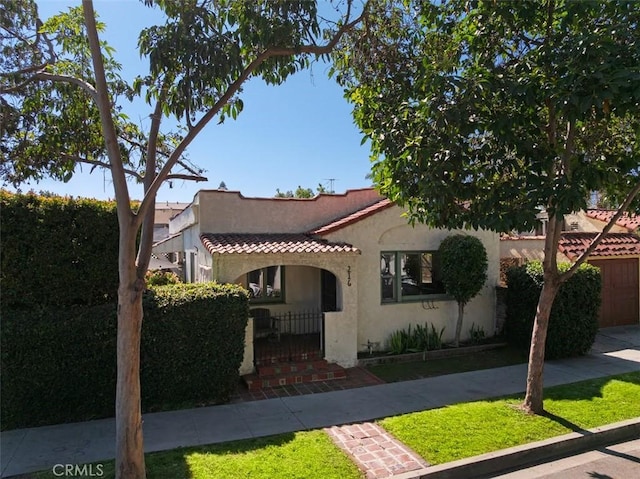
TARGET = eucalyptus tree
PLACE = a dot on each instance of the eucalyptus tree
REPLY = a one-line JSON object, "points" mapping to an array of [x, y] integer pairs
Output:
{"points": [[480, 113], [60, 105]]}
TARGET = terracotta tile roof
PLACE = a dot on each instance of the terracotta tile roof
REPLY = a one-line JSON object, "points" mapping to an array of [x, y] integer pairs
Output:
{"points": [[631, 222], [352, 217], [236, 243], [573, 244]]}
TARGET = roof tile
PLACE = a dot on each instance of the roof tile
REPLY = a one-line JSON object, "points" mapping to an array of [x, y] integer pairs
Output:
{"points": [[248, 243], [352, 217], [573, 244], [629, 221]]}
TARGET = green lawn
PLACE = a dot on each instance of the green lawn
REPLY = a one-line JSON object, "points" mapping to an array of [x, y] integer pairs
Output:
{"points": [[301, 455], [464, 430], [493, 358]]}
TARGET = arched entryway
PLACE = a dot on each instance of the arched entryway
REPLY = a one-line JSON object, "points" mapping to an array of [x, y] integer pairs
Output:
{"points": [[288, 304]]}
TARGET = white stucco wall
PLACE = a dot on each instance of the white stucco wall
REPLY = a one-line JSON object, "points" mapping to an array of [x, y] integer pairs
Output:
{"points": [[341, 336], [388, 231]]}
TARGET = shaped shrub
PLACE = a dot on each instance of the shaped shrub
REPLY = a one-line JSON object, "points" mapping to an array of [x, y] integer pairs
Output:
{"points": [[57, 251], [573, 322], [463, 259]]}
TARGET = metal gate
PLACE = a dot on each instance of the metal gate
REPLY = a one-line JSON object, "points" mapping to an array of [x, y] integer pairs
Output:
{"points": [[296, 336]]}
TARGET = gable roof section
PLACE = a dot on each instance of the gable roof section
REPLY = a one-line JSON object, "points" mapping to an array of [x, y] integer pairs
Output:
{"points": [[631, 222], [353, 217], [573, 244], [248, 243]]}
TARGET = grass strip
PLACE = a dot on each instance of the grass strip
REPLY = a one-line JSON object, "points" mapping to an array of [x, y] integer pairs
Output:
{"points": [[406, 371], [468, 429], [300, 455]]}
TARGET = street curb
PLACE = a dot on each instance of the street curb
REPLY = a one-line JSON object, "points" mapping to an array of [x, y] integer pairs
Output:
{"points": [[513, 458]]}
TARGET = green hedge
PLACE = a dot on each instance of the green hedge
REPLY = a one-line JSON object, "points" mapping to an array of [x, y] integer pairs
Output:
{"points": [[573, 323], [57, 251], [60, 365]]}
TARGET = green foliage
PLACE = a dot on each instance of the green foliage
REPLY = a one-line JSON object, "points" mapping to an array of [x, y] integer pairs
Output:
{"points": [[300, 192], [433, 338], [161, 278], [573, 322], [59, 364], [203, 48], [421, 338], [476, 334], [57, 251], [463, 260], [53, 125], [479, 112]]}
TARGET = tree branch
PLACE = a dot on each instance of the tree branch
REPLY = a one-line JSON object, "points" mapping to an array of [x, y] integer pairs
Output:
{"points": [[147, 221], [101, 164], [180, 176], [44, 76], [24, 71], [569, 146], [106, 119], [594, 244], [233, 89]]}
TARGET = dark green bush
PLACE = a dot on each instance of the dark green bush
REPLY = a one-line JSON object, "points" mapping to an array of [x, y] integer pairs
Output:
{"points": [[59, 365], [192, 343], [573, 323], [57, 251]]}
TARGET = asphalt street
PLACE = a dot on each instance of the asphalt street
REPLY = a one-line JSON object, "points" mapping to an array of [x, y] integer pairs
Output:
{"points": [[620, 461]]}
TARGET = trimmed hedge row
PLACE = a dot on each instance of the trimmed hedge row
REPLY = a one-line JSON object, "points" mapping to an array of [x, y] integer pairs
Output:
{"points": [[573, 323], [57, 251], [60, 365]]}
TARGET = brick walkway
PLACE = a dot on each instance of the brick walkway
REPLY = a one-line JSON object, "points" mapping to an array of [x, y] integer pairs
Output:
{"points": [[356, 378], [374, 450]]}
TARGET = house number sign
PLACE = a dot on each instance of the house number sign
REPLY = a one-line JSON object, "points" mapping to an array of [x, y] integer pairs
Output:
{"points": [[348, 275]]}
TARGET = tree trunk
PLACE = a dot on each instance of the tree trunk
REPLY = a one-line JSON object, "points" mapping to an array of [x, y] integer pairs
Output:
{"points": [[456, 341], [129, 441], [533, 401]]}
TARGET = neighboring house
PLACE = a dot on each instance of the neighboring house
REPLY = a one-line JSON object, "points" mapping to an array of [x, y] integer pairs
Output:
{"points": [[625, 224], [353, 257], [164, 213], [617, 256]]}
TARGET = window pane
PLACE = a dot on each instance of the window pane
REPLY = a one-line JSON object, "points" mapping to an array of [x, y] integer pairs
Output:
{"points": [[431, 282], [420, 274], [274, 281], [411, 274], [427, 267], [387, 276], [254, 283]]}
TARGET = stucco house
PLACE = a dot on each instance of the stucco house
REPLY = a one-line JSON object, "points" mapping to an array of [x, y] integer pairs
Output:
{"points": [[351, 257]]}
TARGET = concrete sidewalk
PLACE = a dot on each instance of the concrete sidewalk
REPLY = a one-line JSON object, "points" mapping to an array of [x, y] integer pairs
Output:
{"points": [[616, 351]]}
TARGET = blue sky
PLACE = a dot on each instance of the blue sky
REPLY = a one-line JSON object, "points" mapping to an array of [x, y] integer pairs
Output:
{"points": [[298, 133]]}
